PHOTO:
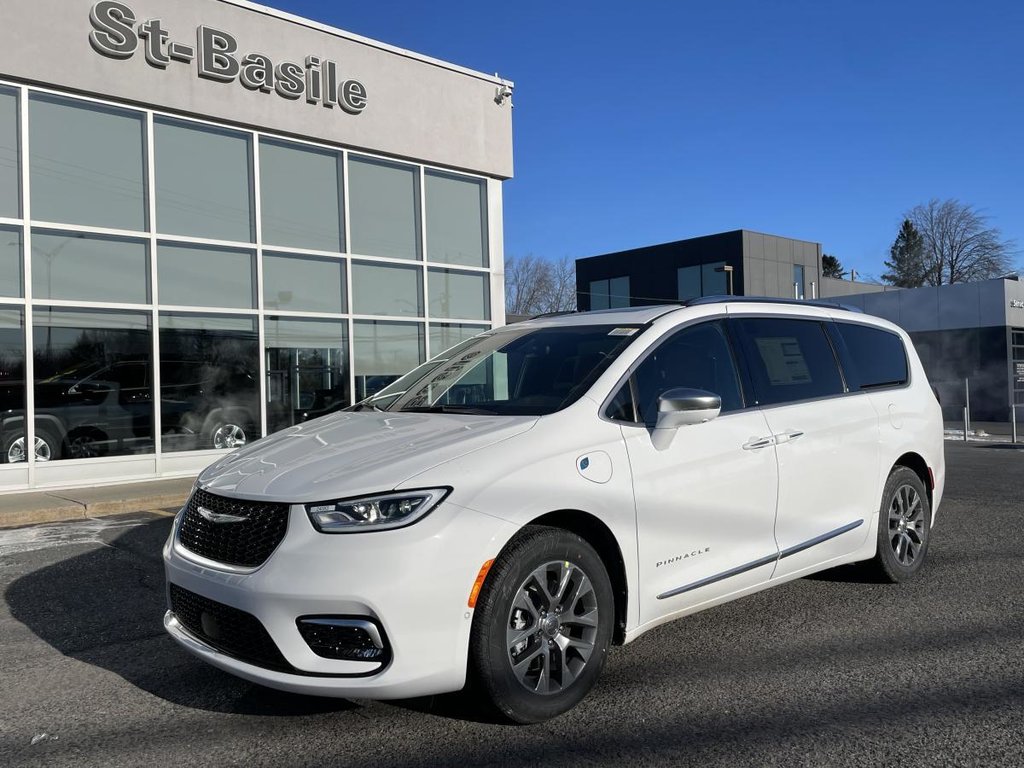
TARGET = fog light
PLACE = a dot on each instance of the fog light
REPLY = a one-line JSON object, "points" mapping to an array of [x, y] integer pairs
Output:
{"points": [[348, 639]]}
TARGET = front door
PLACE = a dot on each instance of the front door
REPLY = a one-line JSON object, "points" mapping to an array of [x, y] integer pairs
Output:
{"points": [[706, 501]]}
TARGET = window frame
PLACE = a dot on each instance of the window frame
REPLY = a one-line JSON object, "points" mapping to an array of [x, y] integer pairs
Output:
{"points": [[848, 363], [746, 347], [629, 377]]}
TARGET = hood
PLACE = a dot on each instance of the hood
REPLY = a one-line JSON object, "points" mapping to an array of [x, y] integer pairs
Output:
{"points": [[354, 453]]}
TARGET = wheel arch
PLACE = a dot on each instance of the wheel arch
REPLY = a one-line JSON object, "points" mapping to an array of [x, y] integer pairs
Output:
{"points": [[596, 533], [915, 462]]}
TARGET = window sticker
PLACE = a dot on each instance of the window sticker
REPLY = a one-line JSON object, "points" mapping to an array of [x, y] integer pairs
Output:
{"points": [[784, 360], [622, 331]]}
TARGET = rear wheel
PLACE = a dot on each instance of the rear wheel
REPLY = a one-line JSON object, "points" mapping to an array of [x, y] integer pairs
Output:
{"points": [[904, 526], [543, 625]]}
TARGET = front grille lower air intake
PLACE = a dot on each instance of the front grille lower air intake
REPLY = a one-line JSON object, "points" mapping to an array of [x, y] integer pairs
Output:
{"points": [[236, 633], [232, 531]]}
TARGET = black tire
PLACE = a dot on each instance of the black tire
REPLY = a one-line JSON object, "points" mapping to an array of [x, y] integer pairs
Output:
{"points": [[904, 527], [48, 450], [85, 444], [567, 634]]}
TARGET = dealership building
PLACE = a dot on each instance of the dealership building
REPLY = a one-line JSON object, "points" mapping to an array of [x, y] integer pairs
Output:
{"points": [[218, 220]]}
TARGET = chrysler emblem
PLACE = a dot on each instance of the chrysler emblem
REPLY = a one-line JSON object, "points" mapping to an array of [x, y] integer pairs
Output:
{"points": [[217, 517]]}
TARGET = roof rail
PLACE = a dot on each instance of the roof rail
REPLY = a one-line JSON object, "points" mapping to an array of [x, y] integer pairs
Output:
{"points": [[769, 300], [553, 314]]}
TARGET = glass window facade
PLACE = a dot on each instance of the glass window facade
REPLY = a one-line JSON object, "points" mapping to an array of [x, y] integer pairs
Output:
{"points": [[462, 295], [444, 337], [82, 267], [300, 190], [92, 384], [714, 280], [209, 381], [10, 157], [12, 386], [307, 370], [698, 280], [192, 275], [798, 281], [10, 262], [87, 164], [235, 309], [384, 350], [386, 289], [456, 219], [609, 294], [303, 284], [203, 181], [384, 211]]}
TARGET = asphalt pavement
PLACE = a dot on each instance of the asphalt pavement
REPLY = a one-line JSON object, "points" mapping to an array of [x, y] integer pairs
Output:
{"points": [[827, 670]]}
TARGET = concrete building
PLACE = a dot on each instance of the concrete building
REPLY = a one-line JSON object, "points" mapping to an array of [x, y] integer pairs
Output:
{"points": [[741, 262], [217, 220]]}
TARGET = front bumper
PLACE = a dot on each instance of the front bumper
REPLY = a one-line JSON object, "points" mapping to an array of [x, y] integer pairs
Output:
{"points": [[414, 582]]}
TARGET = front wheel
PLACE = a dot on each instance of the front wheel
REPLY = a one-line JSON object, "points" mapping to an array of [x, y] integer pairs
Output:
{"points": [[543, 625], [904, 526], [229, 434], [15, 447]]}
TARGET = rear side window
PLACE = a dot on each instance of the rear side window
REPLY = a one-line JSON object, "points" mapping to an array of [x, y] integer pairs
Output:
{"points": [[877, 357], [790, 360]]}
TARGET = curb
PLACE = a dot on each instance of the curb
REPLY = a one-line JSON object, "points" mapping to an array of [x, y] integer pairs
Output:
{"points": [[35, 507]]}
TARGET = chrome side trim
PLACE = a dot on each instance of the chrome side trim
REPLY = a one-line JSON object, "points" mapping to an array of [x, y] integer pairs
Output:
{"points": [[767, 560], [819, 539], [719, 576]]}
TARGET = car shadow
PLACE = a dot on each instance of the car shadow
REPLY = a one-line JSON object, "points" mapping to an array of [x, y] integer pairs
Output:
{"points": [[852, 573], [105, 607]]}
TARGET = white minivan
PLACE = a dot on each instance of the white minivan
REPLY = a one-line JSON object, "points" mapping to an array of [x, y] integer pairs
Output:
{"points": [[515, 506]]}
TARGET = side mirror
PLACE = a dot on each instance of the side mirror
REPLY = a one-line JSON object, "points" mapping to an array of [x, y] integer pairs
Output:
{"points": [[682, 407]]}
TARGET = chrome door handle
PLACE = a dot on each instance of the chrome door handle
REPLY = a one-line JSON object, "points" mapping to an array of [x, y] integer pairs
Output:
{"points": [[785, 437], [759, 442]]}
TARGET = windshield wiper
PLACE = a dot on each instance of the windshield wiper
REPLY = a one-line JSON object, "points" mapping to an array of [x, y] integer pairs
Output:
{"points": [[449, 409]]}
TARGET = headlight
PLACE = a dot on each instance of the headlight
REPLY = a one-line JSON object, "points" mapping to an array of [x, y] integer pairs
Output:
{"points": [[374, 513]]}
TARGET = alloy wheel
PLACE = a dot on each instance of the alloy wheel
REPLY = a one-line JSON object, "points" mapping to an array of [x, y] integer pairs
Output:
{"points": [[16, 452], [228, 436], [906, 525], [552, 627]]}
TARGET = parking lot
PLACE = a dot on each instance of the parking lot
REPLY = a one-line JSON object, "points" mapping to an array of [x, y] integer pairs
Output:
{"points": [[828, 670]]}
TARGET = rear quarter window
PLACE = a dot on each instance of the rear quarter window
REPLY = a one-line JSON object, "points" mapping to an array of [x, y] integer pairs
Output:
{"points": [[877, 357]]}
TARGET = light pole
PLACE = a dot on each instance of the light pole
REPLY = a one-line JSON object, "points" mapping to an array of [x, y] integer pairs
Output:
{"points": [[728, 271]]}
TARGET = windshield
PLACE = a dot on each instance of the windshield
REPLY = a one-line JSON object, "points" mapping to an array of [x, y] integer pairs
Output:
{"points": [[532, 371]]}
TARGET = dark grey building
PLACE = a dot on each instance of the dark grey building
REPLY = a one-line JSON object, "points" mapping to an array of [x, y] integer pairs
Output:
{"points": [[741, 262], [971, 331]]}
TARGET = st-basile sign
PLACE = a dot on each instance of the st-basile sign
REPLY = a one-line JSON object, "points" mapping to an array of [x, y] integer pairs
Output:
{"points": [[318, 81]]}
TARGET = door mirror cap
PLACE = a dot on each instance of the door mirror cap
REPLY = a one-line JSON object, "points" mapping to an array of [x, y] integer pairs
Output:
{"points": [[682, 407]]}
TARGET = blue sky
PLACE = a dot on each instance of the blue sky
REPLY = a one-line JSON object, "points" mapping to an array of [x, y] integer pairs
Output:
{"points": [[644, 122]]}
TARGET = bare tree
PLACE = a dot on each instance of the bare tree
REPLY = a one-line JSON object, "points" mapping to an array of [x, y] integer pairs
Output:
{"points": [[534, 285], [959, 245]]}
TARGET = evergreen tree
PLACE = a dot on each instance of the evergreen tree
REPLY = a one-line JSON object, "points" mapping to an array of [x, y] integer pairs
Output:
{"points": [[832, 267], [907, 263]]}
